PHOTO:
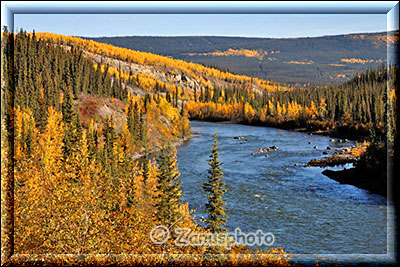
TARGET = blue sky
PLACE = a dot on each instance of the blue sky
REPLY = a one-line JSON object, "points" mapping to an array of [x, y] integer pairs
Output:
{"points": [[248, 25]]}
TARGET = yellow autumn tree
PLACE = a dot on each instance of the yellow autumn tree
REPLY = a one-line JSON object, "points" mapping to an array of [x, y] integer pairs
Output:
{"points": [[39, 216], [322, 108]]}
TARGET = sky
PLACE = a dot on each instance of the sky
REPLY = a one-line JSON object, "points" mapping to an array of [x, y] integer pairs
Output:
{"points": [[246, 25]]}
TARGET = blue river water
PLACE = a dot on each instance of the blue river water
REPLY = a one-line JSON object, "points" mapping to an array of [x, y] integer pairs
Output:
{"points": [[306, 211]]}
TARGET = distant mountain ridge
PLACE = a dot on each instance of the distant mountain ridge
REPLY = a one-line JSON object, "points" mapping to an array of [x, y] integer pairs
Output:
{"points": [[310, 60]]}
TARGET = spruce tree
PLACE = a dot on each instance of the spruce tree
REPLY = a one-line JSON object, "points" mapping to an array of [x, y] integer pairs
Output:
{"points": [[145, 162], [142, 130], [136, 122], [168, 97], [70, 127], [169, 187], [145, 165], [130, 121], [92, 141], [110, 139], [215, 190]]}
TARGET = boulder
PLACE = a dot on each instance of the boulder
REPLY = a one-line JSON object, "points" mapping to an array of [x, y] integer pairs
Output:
{"points": [[265, 149], [334, 160]]}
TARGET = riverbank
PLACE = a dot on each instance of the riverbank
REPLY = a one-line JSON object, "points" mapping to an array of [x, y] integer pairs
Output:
{"points": [[363, 178], [354, 176], [338, 157], [277, 194], [352, 133]]}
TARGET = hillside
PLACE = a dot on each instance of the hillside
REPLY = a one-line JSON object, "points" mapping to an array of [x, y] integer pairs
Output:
{"points": [[205, 93], [297, 61], [71, 133], [79, 113]]}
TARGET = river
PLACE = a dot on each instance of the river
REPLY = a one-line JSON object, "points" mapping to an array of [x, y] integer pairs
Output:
{"points": [[306, 211]]}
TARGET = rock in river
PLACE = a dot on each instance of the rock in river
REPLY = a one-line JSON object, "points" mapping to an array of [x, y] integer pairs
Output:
{"points": [[339, 157], [265, 149]]}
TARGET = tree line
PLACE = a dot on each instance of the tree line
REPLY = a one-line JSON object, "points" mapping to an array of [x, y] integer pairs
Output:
{"points": [[352, 109]]}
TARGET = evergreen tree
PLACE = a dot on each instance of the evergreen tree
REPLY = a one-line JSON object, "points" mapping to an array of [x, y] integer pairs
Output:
{"points": [[131, 126], [215, 190], [145, 162], [69, 119], [142, 130], [145, 165], [168, 186], [92, 141], [136, 122], [110, 138], [168, 97]]}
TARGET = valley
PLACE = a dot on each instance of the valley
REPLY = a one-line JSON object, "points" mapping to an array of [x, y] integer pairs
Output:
{"points": [[123, 134]]}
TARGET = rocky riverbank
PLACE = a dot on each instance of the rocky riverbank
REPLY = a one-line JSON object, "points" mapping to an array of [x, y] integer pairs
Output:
{"points": [[364, 178], [339, 157]]}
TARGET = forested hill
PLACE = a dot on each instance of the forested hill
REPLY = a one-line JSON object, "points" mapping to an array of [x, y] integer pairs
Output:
{"points": [[317, 60]]}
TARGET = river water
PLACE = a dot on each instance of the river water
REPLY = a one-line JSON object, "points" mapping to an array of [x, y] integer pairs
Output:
{"points": [[306, 211]]}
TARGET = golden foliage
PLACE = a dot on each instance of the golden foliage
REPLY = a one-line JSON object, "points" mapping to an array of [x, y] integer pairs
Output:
{"points": [[235, 52], [357, 60], [196, 71], [238, 111], [301, 62], [360, 149], [72, 206]]}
